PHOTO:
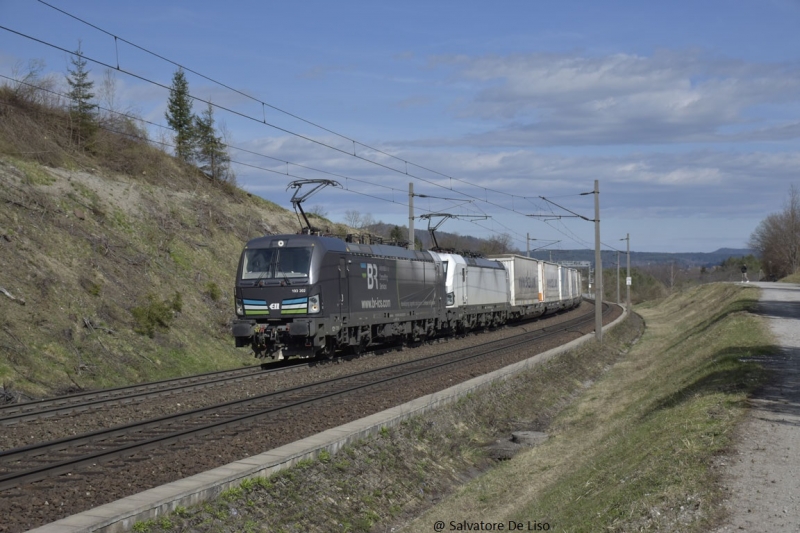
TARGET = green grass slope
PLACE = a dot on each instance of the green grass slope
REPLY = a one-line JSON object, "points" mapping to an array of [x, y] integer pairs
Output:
{"points": [[117, 262], [637, 451], [637, 431], [110, 279]]}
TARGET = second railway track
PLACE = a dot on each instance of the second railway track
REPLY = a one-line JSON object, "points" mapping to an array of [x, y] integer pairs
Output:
{"points": [[37, 461], [269, 409], [83, 401]]}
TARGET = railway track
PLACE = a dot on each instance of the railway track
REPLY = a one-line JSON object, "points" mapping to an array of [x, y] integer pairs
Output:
{"points": [[23, 412], [39, 461], [11, 414]]}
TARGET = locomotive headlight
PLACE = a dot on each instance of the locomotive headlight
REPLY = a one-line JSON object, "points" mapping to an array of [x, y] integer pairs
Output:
{"points": [[451, 298], [313, 304], [239, 307]]}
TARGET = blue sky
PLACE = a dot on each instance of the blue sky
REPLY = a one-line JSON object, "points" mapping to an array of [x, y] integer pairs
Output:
{"points": [[688, 113]]}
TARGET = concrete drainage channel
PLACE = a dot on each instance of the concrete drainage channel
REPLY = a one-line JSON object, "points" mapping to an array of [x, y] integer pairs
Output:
{"points": [[121, 515]]}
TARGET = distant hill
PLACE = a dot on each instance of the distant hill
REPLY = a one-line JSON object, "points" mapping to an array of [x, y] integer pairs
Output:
{"points": [[734, 252], [466, 242], [682, 259]]}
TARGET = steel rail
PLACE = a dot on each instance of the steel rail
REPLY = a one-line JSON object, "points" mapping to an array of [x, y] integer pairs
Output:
{"points": [[348, 385], [23, 412], [26, 411]]}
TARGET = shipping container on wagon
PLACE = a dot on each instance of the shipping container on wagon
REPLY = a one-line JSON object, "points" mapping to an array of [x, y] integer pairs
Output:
{"points": [[568, 289], [575, 282], [526, 292], [525, 279], [551, 283]]}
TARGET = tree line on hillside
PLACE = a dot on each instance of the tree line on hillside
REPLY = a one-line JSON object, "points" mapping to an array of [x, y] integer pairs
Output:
{"points": [[196, 138], [777, 239], [651, 279], [657, 280], [366, 224]]}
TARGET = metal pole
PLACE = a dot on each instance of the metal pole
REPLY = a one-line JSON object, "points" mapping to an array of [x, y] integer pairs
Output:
{"points": [[528, 244], [598, 268], [628, 275], [411, 243], [617, 277]]}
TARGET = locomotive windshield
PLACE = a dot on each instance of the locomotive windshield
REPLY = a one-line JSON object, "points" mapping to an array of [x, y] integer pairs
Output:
{"points": [[281, 263]]}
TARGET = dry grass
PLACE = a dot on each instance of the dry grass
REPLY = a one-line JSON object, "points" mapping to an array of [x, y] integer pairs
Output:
{"points": [[385, 481], [793, 278], [636, 453], [635, 432], [87, 237]]}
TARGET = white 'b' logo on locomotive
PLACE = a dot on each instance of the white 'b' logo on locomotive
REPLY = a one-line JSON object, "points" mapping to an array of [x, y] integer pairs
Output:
{"points": [[372, 276]]}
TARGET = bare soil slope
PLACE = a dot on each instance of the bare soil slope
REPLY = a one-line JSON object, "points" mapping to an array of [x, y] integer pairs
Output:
{"points": [[108, 278]]}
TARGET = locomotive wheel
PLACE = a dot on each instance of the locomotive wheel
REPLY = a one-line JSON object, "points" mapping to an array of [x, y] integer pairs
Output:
{"points": [[358, 349], [327, 352]]}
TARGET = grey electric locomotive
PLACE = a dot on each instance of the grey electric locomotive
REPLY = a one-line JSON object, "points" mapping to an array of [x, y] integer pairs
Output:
{"points": [[305, 295]]}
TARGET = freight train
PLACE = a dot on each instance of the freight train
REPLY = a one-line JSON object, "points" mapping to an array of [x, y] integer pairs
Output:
{"points": [[311, 296]]}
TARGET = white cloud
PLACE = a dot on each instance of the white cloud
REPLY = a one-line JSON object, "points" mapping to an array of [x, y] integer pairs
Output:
{"points": [[670, 97]]}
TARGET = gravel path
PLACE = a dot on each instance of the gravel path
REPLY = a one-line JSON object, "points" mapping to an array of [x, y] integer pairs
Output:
{"points": [[763, 476]]}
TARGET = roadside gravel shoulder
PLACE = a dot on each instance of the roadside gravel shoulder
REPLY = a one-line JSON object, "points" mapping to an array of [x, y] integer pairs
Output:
{"points": [[762, 477]]}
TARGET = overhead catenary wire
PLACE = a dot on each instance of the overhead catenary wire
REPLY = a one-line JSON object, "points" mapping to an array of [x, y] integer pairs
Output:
{"points": [[276, 108], [228, 146], [225, 145], [279, 128], [265, 169], [354, 142], [265, 104], [287, 131]]}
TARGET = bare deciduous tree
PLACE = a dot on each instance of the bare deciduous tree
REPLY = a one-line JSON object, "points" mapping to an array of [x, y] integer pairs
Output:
{"points": [[352, 218], [32, 85], [108, 91], [367, 221], [499, 244], [777, 238], [318, 210]]}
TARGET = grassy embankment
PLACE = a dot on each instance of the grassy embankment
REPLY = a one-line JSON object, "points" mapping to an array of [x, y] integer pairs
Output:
{"points": [[116, 278], [637, 451], [635, 429], [793, 278], [117, 261]]}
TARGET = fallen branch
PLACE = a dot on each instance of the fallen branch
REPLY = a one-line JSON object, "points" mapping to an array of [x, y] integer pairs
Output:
{"points": [[92, 326], [88, 324], [20, 301]]}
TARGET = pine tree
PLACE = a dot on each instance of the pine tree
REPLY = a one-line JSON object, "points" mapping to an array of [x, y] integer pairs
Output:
{"points": [[180, 118], [81, 109], [211, 155], [397, 234]]}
